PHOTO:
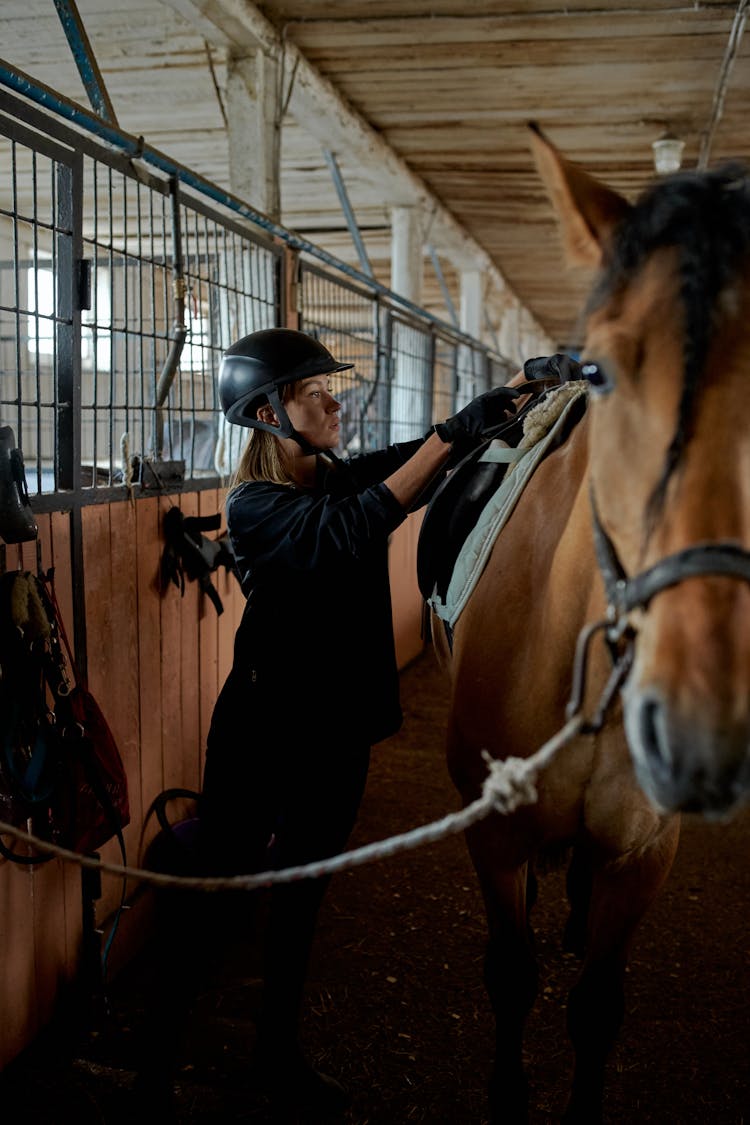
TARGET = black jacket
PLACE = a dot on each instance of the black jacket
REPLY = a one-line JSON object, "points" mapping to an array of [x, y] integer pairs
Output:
{"points": [[316, 638]]}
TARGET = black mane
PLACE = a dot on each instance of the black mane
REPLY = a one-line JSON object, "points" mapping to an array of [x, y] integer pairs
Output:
{"points": [[706, 215]]}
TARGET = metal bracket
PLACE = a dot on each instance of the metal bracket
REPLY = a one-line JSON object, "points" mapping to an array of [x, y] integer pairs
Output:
{"points": [[346, 207], [443, 286], [155, 475]]}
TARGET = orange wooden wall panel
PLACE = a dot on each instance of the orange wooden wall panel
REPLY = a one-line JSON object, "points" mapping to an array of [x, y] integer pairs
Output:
{"points": [[118, 696], [208, 635], [405, 596], [151, 774], [170, 617], [105, 606], [66, 879], [55, 886], [39, 908], [187, 668], [156, 663], [18, 978], [56, 554]]}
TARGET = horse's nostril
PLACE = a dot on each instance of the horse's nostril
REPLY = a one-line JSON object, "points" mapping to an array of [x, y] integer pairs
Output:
{"points": [[653, 734], [648, 722], [680, 763]]}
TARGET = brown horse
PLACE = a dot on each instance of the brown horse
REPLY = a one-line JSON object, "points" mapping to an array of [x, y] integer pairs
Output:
{"points": [[640, 521]]}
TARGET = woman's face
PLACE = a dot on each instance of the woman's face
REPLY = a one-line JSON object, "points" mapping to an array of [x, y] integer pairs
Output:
{"points": [[314, 412]]}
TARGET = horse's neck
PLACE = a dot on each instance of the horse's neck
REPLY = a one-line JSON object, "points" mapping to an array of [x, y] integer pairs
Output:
{"points": [[566, 572]]}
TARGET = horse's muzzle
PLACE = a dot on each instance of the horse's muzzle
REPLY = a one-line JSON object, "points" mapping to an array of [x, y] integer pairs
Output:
{"points": [[684, 762]]}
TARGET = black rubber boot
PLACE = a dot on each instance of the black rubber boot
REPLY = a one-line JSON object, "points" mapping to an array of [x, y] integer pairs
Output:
{"points": [[290, 1082], [17, 523]]}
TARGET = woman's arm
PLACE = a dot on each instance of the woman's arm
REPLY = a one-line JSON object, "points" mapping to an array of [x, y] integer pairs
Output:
{"points": [[467, 426], [411, 478]]}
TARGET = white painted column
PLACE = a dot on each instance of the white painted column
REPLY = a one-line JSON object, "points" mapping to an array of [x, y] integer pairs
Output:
{"points": [[471, 302], [253, 108], [406, 253], [409, 375], [471, 371], [254, 131], [532, 340], [509, 334]]}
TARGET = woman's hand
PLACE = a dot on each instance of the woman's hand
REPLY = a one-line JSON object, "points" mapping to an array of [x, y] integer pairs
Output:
{"points": [[482, 413]]}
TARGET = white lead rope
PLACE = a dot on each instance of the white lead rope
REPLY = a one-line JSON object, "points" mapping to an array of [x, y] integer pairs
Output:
{"points": [[509, 784]]}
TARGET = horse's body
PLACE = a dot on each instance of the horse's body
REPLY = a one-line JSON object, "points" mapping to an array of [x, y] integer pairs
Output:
{"points": [[664, 448]]}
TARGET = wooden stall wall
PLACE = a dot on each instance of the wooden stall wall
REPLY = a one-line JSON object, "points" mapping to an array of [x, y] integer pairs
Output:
{"points": [[156, 662], [155, 665], [405, 596], [165, 656], [40, 910]]}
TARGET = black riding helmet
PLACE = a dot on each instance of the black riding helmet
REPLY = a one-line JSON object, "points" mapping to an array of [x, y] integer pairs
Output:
{"points": [[257, 368]]}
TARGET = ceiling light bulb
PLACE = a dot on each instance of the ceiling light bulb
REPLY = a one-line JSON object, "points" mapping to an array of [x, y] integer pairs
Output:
{"points": [[667, 154]]}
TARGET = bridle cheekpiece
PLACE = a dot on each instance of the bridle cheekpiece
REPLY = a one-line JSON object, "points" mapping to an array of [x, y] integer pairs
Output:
{"points": [[624, 594]]}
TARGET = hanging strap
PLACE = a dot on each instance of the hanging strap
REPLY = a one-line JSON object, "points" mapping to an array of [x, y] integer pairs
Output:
{"points": [[90, 768]]}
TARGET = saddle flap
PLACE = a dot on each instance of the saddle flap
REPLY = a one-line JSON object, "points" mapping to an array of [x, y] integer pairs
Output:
{"points": [[470, 507], [451, 514]]}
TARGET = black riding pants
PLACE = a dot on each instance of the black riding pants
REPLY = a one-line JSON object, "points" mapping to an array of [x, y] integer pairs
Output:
{"points": [[276, 793], [276, 796]]}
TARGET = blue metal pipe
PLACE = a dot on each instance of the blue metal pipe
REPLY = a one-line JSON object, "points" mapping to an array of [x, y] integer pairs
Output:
{"points": [[136, 147], [85, 59]]}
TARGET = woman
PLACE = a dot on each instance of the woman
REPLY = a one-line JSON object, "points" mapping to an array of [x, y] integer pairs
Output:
{"points": [[314, 682]]}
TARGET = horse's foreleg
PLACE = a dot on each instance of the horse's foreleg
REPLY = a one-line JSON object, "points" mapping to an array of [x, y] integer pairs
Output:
{"points": [[621, 893], [510, 975]]}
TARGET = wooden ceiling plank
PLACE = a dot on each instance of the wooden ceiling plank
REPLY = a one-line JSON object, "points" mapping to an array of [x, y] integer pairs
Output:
{"points": [[567, 24], [317, 105]]}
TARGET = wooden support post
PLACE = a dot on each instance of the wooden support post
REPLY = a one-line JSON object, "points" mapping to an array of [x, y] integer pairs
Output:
{"points": [[254, 130], [406, 253], [291, 312], [471, 302]]}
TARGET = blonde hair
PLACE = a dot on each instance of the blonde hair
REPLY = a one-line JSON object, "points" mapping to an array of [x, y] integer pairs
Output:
{"points": [[261, 459]]}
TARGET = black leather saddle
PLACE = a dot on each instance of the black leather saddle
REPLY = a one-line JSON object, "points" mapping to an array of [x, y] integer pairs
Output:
{"points": [[459, 500]]}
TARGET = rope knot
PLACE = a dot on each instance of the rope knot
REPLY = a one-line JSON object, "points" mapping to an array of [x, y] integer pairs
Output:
{"points": [[509, 783]]}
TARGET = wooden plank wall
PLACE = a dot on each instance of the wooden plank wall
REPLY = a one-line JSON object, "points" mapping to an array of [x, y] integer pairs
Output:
{"points": [[156, 664], [405, 596], [40, 910]]}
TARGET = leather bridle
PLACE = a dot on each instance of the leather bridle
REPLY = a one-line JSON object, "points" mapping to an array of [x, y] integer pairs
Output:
{"points": [[624, 594], [722, 558]]}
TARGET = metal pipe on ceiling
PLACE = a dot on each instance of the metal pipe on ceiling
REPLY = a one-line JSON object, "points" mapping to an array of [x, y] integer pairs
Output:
{"points": [[85, 59]]}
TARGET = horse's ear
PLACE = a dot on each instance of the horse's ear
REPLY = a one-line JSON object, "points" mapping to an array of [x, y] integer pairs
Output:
{"points": [[586, 209]]}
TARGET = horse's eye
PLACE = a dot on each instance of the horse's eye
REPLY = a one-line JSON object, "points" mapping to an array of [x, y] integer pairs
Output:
{"points": [[595, 374]]}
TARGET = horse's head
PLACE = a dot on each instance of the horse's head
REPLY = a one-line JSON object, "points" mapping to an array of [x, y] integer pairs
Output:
{"points": [[667, 348]]}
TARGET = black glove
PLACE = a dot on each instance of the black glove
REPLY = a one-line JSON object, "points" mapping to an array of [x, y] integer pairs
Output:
{"points": [[558, 366], [482, 413]]}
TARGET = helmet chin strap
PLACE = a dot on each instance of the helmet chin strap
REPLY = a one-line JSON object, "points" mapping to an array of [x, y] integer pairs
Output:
{"points": [[286, 429]]}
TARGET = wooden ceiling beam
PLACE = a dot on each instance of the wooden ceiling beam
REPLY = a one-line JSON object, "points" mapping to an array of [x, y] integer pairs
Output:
{"points": [[318, 107]]}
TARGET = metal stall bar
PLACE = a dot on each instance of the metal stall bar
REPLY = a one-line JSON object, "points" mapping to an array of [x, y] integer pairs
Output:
{"points": [[40, 300], [343, 316], [136, 147], [179, 329], [233, 286]]}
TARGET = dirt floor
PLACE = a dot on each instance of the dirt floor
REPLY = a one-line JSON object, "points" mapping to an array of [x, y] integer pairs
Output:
{"points": [[397, 1009]]}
